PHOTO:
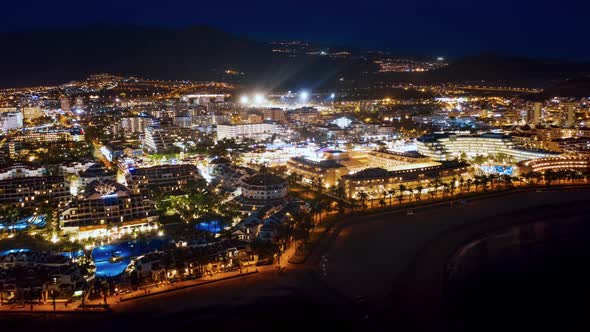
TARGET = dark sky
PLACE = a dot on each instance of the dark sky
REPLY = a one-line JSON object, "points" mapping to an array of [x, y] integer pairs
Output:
{"points": [[536, 28]]}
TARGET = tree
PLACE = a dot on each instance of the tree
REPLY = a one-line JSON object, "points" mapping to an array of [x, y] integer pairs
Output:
{"points": [[401, 190], [419, 189], [363, 198], [391, 193]]}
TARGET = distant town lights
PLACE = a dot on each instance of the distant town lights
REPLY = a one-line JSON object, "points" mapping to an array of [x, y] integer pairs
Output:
{"points": [[333, 95]]}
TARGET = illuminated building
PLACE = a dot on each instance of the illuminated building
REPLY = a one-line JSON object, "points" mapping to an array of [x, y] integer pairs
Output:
{"points": [[24, 188], [555, 164], [52, 135], [534, 114], [134, 125], [376, 182], [79, 103], [11, 120], [31, 113], [161, 139], [106, 207], [262, 189], [157, 139], [164, 177], [275, 114], [570, 116], [388, 160], [65, 103], [304, 115], [253, 130], [450, 146], [328, 171], [96, 172]]}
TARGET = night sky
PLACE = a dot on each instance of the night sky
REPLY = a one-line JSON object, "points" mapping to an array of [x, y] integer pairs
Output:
{"points": [[535, 28]]}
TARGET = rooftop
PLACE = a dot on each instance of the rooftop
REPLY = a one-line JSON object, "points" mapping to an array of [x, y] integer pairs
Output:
{"points": [[265, 179]]}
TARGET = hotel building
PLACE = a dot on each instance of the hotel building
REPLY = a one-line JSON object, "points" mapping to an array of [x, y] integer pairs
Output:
{"points": [[443, 147], [252, 130], [105, 208], [165, 177], [378, 181], [262, 189], [25, 191]]}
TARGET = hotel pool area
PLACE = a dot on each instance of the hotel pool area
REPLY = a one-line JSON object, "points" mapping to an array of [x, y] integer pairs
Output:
{"points": [[38, 221], [13, 251], [212, 227], [122, 253]]}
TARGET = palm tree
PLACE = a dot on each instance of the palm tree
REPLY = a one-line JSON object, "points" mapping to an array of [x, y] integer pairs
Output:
{"points": [[484, 182], [549, 175], [391, 193], [339, 192], [419, 189], [469, 183], [401, 191], [461, 183], [363, 197], [432, 193]]}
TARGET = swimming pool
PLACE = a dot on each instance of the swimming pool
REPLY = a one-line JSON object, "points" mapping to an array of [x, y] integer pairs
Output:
{"points": [[127, 250], [13, 251], [212, 227], [22, 224]]}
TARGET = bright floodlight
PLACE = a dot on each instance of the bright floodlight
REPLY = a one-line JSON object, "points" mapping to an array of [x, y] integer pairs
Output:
{"points": [[258, 98], [244, 99], [333, 95], [303, 95]]}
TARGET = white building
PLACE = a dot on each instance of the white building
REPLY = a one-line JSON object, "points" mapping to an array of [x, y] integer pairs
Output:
{"points": [[252, 130], [11, 120], [449, 147]]}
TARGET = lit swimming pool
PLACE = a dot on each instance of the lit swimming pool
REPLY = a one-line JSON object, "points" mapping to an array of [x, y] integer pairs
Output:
{"points": [[122, 253], [38, 221], [212, 227], [13, 251]]}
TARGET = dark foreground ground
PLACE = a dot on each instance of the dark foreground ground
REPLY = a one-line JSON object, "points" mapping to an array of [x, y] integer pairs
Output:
{"points": [[385, 273]]}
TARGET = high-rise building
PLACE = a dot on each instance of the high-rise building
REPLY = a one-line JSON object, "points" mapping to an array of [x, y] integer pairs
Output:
{"points": [[107, 206], [534, 114], [79, 105], [64, 102], [11, 120], [570, 116], [31, 113], [275, 114], [157, 139], [253, 130]]}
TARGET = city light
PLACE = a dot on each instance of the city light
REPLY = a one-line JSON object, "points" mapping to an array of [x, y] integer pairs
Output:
{"points": [[244, 99], [303, 96], [258, 98], [333, 95]]}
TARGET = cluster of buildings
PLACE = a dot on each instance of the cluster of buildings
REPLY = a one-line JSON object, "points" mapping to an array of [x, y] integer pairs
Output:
{"points": [[38, 276]]}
